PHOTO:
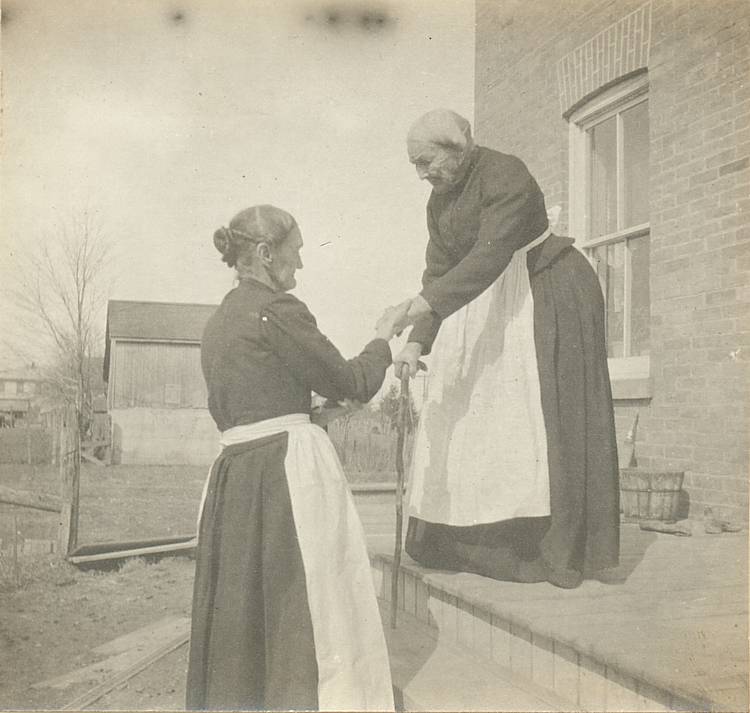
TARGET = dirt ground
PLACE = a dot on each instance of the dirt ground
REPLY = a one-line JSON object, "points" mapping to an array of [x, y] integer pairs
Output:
{"points": [[159, 687], [50, 626], [53, 615]]}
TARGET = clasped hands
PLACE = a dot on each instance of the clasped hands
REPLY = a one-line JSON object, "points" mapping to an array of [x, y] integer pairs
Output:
{"points": [[393, 321]]}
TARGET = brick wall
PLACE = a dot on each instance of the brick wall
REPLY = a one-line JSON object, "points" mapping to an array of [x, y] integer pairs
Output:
{"points": [[699, 98]]}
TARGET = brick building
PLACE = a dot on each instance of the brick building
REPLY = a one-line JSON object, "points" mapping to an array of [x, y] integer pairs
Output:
{"points": [[635, 119]]}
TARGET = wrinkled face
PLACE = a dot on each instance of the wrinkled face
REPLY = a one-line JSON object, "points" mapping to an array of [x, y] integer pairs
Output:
{"points": [[439, 165], [287, 260]]}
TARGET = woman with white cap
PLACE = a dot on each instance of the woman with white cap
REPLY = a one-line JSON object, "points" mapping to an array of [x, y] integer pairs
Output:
{"points": [[514, 473]]}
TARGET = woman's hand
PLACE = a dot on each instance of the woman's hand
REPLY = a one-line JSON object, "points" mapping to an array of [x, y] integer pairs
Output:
{"points": [[408, 358], [419, 307], [393, 321], [404, 315]]}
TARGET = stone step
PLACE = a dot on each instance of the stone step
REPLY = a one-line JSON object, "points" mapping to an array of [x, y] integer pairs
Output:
{"points": [[515, 652], [432, 674]]}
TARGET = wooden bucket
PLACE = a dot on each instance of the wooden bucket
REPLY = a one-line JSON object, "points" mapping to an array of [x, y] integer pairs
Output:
{"points": [[650, 494]]}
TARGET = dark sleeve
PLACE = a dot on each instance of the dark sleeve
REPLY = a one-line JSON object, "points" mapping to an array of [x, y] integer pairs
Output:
{"points": [[293, 334], [437, 263], [512, 214]]}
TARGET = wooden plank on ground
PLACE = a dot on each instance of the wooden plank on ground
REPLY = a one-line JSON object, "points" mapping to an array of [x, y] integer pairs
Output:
{"points": [[136, 552], [123, 653], [151, 636], [122, 545], [139, 665], [27, 499]]}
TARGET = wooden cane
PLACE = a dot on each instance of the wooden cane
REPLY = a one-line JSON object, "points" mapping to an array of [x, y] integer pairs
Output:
{"points": [[403, 415]]}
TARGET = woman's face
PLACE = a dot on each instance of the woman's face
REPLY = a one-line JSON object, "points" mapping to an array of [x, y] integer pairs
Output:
{"points": [[287, 260], [439, 165]]}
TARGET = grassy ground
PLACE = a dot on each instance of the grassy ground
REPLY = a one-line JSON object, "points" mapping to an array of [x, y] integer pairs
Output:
{"points": [[127, 502], [117, 503], [25, 445]]}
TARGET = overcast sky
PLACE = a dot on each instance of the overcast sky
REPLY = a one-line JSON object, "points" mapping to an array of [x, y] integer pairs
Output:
{"points": [[165, 119]]}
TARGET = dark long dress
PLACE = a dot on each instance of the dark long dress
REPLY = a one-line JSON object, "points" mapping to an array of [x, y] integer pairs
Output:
{"points": [[252, 644], [474, 231]]}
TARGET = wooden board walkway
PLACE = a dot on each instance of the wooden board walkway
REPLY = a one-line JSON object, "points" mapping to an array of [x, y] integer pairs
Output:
{"points": [[122, 658]]}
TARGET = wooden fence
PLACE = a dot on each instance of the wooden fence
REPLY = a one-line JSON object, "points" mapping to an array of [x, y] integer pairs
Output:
{"points": [[66, 454]]}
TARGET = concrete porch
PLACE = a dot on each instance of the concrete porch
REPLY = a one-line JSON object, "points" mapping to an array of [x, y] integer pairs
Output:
{"points": [[667, 630]]}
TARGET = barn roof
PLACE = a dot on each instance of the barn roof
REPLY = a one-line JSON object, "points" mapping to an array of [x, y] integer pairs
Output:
{"points": [[154, 322]]}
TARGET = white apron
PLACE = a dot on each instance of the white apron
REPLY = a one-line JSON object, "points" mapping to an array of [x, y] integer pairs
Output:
{"points": [[480, 453], [353, 669]]}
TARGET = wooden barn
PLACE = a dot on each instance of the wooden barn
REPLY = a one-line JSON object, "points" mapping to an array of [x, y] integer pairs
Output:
{"points": [[156, 395]]}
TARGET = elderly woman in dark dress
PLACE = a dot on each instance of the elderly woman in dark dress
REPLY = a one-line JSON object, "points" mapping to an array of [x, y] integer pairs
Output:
{"points": [[284, 609], [514, 474]]}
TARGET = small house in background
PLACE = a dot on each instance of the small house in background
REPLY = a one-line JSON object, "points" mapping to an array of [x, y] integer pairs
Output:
{"points": [[20, 389], [156, 395]]}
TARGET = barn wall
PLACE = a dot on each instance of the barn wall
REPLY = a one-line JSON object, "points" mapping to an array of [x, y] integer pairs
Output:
{"points": [[153, 436], [158, 404], [156, 375]]}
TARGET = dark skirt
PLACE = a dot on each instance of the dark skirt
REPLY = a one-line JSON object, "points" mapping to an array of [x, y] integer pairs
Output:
{"points": [[581, 534], [251, 645]]}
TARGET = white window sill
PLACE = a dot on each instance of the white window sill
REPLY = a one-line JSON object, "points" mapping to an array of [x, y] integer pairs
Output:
{"points": [[630, 377]]}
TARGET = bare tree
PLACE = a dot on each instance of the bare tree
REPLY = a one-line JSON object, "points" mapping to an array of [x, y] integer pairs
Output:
{"points": [[60, 290]]}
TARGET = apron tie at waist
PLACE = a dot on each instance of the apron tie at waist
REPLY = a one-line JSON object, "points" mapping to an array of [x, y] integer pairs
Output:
{"points": [[261, 429], [251, 432]]}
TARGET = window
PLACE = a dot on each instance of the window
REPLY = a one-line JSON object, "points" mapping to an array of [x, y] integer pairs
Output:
{"points": [[609, 207], [172, 393]]}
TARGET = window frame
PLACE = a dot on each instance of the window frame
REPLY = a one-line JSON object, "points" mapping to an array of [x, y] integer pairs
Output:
{"points": [[630, 375]]}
